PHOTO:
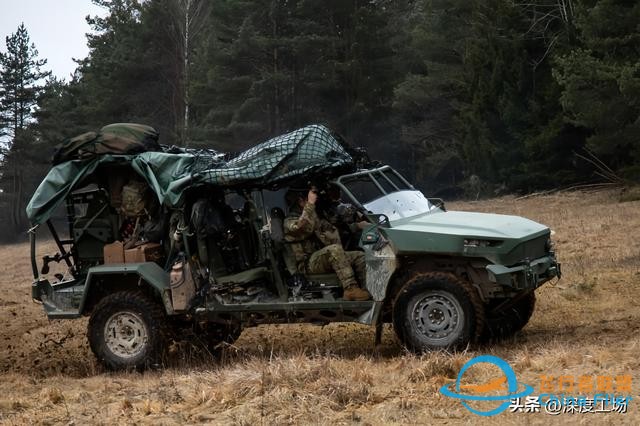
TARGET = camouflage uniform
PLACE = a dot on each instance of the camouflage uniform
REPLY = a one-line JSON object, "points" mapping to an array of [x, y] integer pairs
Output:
{"points": [[316, 247]]}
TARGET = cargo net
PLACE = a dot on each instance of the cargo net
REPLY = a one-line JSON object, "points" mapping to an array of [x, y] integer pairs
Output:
{"points": [[311, 148], [203, 158]]}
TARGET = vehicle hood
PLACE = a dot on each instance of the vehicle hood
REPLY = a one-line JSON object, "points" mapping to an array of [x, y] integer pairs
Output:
{"points": [[511, 238], [470, 224]]}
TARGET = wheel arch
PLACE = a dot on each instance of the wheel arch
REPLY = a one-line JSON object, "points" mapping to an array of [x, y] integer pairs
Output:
{"points": [[412, 265], [106, 279]]}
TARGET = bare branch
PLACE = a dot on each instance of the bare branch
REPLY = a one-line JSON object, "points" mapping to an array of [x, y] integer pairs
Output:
{"points": [[546, 53], [603, 170]]}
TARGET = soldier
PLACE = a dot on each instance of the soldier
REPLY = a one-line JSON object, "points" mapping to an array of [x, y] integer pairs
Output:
{"points": [[344, 216], [316, 246]]}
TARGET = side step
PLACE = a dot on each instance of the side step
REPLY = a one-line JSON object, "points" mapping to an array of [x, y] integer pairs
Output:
{"points": [[320, 312]]}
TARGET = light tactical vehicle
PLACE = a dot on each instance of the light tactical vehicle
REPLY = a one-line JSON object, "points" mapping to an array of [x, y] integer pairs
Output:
{"points": [[205, 254]]}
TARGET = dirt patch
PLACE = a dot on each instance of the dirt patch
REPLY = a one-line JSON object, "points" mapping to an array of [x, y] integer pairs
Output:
{"points": [[586, 324]]}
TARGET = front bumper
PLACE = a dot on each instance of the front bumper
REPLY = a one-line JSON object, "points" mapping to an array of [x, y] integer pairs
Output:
{"points": [[531, 274]]}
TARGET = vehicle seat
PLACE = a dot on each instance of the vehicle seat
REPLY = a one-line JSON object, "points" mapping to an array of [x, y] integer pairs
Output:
{"points": [[249, 239], [95, 223], [284, 257], [208, 221], [244, 276]]}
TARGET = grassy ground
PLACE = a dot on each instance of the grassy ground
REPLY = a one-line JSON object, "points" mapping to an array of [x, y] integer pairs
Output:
{"points": [[586, 324]]}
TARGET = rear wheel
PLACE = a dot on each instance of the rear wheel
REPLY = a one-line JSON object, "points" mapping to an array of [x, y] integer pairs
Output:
{"points": [[127, 330], [437, 311], [505, 321]]}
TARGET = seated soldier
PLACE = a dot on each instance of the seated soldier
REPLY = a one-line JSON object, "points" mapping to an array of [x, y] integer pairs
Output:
{"points": [[344, 216], [316, 246]]}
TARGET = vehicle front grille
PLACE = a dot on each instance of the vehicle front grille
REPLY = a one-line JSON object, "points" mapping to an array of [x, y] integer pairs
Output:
{"points": [[532, 249]]}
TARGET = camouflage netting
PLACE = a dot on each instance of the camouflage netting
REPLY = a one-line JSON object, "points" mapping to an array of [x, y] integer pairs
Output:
{"points": [[302, 151], [311, 149]]}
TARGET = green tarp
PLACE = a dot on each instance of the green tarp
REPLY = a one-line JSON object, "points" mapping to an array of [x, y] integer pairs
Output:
{"points": [[306, 150]]}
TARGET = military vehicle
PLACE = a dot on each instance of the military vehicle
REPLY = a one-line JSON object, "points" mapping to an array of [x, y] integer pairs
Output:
{"points": [[202, 252]]}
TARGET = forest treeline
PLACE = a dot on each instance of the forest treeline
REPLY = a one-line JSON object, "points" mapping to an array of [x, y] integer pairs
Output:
{"points": [[465, 97]]}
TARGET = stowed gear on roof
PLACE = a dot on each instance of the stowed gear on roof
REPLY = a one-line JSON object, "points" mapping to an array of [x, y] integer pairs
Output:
{"points": [[307, 150]]}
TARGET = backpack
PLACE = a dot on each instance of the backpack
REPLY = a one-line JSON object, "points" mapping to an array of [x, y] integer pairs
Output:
{"points": [[119, 138], [135, 195]]}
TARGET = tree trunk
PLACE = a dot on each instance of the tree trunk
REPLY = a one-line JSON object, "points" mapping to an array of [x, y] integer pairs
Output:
{"points": [[185, 74], [276, 86]]}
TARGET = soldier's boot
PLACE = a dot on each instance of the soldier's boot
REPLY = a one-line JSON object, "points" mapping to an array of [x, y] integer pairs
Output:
{"points": [[340, 263], [355, 293]]}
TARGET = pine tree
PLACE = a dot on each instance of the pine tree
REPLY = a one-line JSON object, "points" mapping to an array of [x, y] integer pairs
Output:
{"points": [[139, 63], [20, 87], [20, 77], [432, 42], [601, 82], [271, 66]]}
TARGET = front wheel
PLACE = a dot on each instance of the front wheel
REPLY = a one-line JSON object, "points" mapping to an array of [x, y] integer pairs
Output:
{"points": [[437, 311], [127, 331], [506, 317]]}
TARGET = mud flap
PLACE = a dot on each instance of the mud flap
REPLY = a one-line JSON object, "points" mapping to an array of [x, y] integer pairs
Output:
{"points": [[380, 266]]}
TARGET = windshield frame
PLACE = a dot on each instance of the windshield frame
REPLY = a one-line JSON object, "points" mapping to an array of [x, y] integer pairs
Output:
{"points": [[375, 175]]}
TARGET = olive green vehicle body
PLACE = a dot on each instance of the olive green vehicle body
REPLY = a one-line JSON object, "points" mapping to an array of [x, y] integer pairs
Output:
{"points": [[436, 274], [501, 256]]}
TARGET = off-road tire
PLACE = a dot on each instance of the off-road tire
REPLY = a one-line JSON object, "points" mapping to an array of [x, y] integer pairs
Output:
{"points": [[507, 322], [122, 315], [437, 311]]}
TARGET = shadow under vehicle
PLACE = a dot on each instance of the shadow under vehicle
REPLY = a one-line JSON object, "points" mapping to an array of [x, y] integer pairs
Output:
{"points": [[215, 260]]}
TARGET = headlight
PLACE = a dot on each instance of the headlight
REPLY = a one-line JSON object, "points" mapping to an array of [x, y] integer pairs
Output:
{"points": [[468, 243]]}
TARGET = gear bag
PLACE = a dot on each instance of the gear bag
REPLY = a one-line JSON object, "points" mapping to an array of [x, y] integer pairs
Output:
{"points": [[135, 195], [118, 138]]}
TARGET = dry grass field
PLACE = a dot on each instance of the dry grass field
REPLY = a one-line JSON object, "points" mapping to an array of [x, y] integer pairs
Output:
{"points": [[588, 323]]}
